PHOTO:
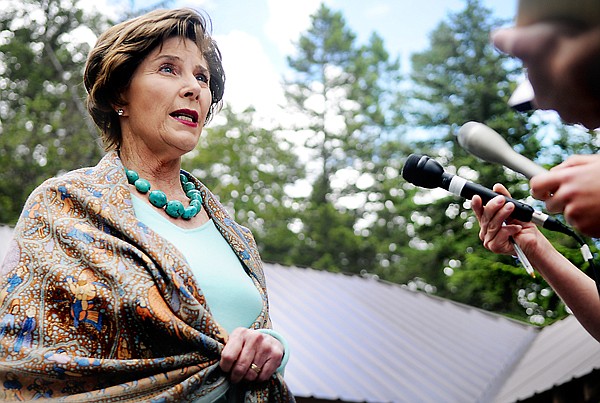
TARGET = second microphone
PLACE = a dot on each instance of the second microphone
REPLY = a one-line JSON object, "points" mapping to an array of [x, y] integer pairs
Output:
{"points": [[423, 171]]}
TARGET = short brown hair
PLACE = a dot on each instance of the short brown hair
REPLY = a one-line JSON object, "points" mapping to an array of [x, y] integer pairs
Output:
{"points": [[121, 48]]}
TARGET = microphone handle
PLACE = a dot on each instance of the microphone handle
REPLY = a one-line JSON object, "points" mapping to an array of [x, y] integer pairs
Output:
{"points": [[461, 187]]}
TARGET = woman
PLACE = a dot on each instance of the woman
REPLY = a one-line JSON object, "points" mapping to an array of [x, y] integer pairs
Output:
{"points": [[132, 281], [576, 289]]}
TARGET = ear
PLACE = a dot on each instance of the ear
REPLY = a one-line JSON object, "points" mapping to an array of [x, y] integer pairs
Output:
{"points": [[120, 107], [120, 110]]}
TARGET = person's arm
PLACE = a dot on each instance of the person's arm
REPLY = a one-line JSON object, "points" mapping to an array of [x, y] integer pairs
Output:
{"points": [[575, 288], [563, 65]]}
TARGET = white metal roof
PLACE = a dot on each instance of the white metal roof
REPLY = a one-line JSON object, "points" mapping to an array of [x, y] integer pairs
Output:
{"points": [[561, 352], [360, 339]]}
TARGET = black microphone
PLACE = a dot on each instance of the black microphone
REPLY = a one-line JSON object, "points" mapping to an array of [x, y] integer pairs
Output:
{"points": [[420, 170]]}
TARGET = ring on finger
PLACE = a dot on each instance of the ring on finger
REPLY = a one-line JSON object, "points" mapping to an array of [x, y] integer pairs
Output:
{"points": [[255, 368]]}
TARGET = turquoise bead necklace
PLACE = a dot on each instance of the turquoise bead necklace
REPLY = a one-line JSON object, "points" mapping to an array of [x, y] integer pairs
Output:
{"points": [[158, 198]]}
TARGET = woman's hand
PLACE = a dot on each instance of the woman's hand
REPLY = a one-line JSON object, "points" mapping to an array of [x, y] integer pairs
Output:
{"points": [[250, 355], [495, 233], [573, 188]]}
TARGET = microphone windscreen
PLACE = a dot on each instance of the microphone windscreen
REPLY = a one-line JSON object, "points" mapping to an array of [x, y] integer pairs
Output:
{"points": [[423, 171], [410, 172]]}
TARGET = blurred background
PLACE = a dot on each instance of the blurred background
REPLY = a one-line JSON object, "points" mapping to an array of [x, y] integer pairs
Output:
{"points": [[323, 103]]}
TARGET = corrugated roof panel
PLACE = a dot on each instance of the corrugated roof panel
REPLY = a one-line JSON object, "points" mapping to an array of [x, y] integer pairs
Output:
{"points": [[359, 339], [324, 334], [561, 352]]}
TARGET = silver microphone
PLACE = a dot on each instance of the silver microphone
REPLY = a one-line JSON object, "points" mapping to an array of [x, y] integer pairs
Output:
{"points": [[487, 144]]}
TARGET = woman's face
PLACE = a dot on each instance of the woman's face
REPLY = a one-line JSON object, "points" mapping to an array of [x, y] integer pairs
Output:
{"points": [[167, 101]]}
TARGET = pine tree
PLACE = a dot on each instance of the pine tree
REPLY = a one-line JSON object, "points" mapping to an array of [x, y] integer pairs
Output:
{"points": [[249, 168], [348, 96]]}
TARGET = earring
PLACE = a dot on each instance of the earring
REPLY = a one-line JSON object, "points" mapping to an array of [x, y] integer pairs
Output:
{"points": [[120, 112]]}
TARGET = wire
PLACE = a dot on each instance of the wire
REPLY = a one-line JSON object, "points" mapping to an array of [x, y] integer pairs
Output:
{"points": [[585, 252]]}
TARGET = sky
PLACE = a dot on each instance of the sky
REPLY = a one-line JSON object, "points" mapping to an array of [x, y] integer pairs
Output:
{"points": [[256, 36]]}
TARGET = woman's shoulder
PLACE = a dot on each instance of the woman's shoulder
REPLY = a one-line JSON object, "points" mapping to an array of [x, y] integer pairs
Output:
{"points": [[76, 175], [80, 183], [216, 209], [106, 171], [63, 182]]}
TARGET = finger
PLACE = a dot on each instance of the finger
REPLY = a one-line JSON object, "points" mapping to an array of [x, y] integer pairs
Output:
{"points": [[531, 41], [495, 217], [495, 225], [582, 221], [500, 243], [238, 355], [268, 357], [523, 42], [544, 185], [260, 369], [512, 229], [504, 39], [500, 188], [576, 160], [572, 216], [254, 372], [230, 353], [243, 369], [488, 220], [477, 206], [556, 203], [491, 237]]}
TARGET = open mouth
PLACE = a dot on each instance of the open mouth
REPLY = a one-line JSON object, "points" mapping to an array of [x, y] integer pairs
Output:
{"points": [[187, 115]]}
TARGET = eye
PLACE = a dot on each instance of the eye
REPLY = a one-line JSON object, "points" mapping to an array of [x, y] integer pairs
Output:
{"points": [[203, 78], [167, 68]]}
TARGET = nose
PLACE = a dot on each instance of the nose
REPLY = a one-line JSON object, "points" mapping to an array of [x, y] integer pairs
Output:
{"points": [[191, 88]]}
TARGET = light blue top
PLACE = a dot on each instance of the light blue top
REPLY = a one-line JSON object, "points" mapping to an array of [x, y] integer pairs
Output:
{"points": [[231, 295]]}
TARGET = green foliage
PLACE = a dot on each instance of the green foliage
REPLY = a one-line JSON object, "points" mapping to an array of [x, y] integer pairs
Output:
{"points": [[44, 128], [249, 168], [349, 95]]}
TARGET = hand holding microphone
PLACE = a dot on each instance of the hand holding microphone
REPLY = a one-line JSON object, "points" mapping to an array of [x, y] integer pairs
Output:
{"points": [[574, 184], [423, 171], [420, 170], [575, 189], [498, 236]]}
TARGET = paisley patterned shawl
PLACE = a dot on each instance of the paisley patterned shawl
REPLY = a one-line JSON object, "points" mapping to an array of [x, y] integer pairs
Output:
{"points": [[95, 306]]}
